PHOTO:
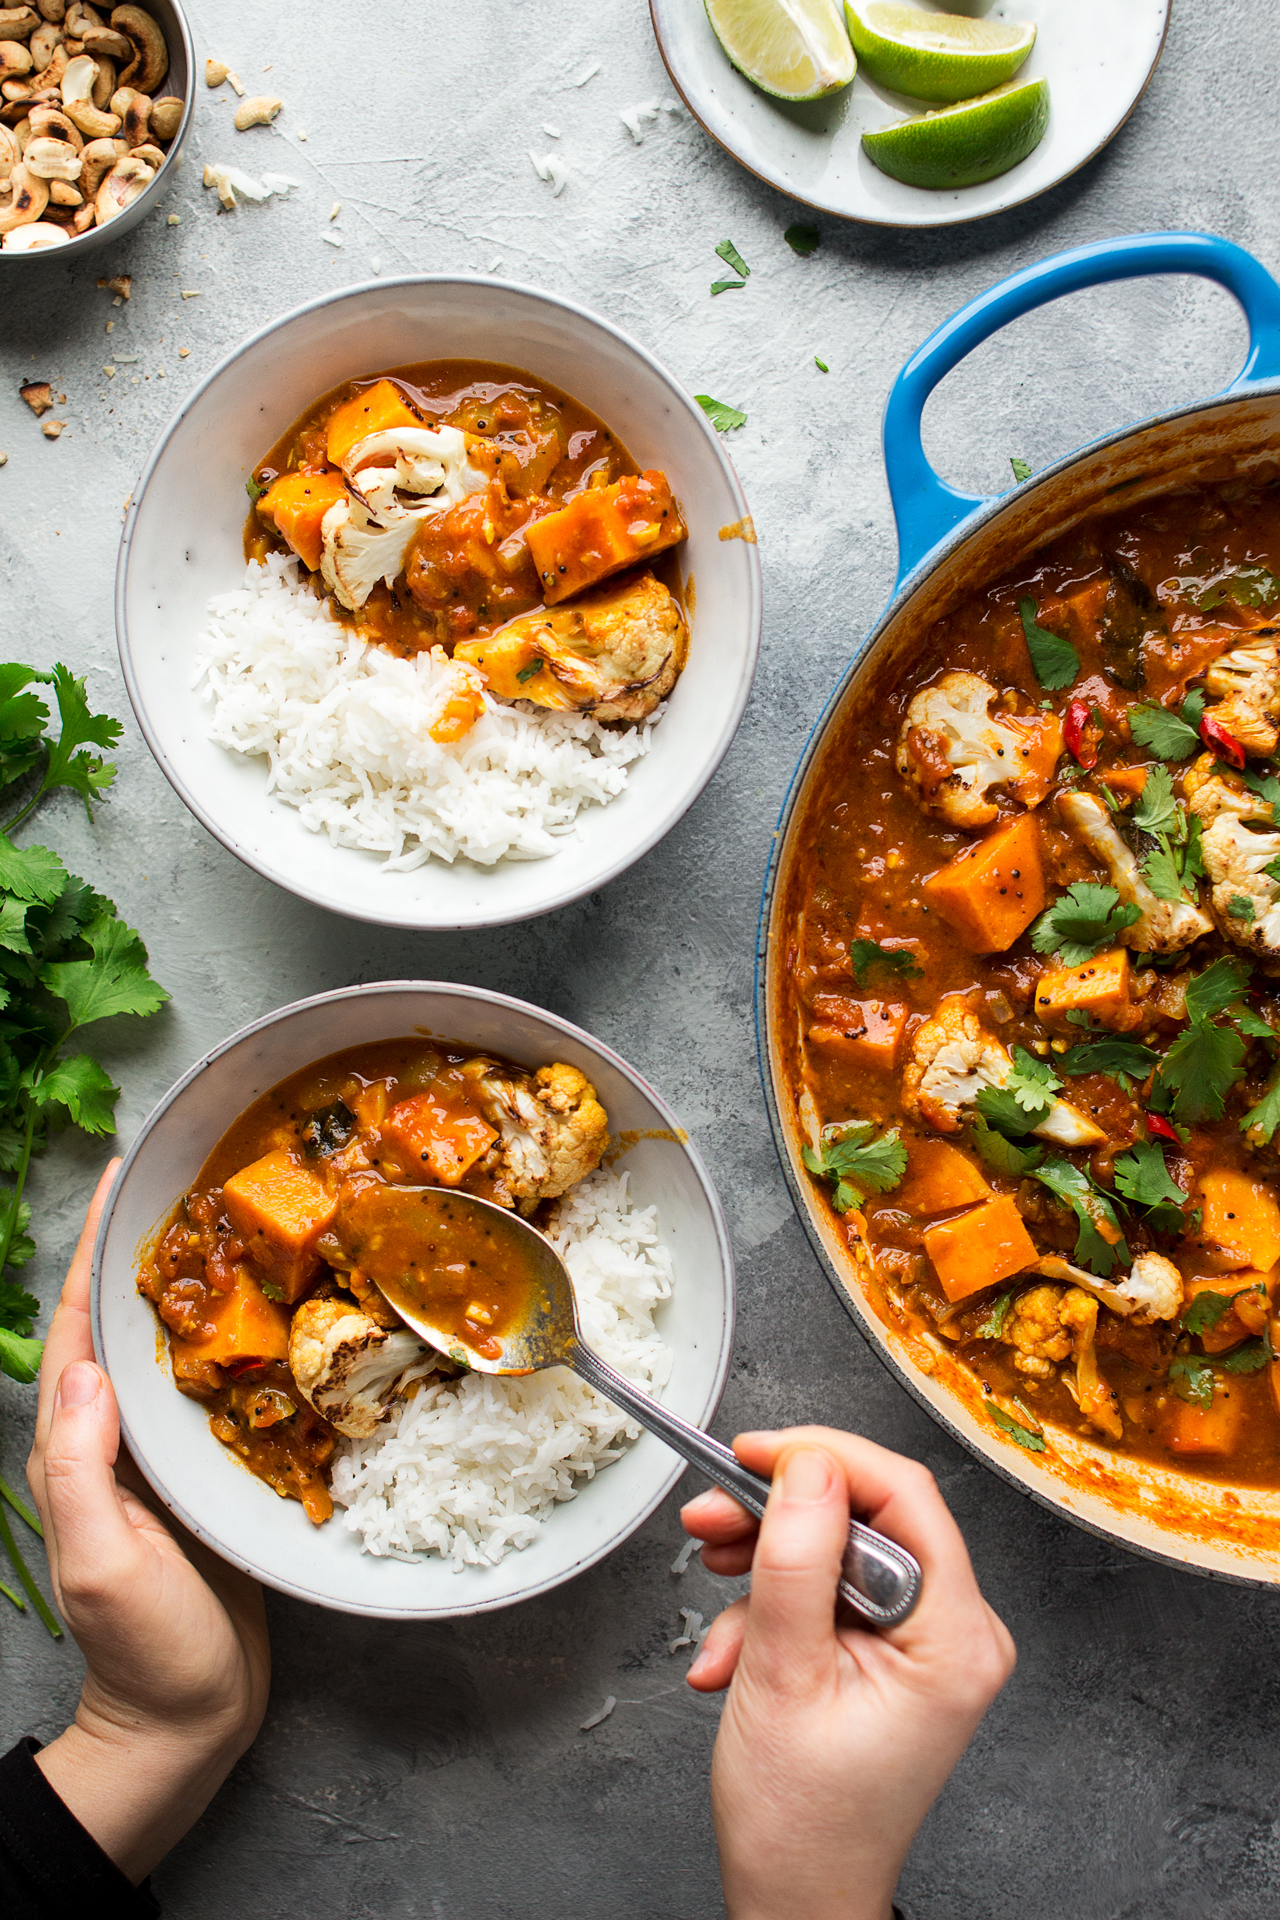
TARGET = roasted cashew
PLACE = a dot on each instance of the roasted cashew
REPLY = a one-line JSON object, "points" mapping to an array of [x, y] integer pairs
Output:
{"points": [[135, 117], [63, 194], [215, 72], [260, 111], [77, 80], [126, 181], [29, 198], [15, 60], [42, 43], [54, 124], [166, 116], [33, 238], [151, 153], [92, 123], [52, 10], [151, 62], [10, 152], [16, 23], [52, 159], [99, 158], [107, 42], [15, 91], [79, 16]]}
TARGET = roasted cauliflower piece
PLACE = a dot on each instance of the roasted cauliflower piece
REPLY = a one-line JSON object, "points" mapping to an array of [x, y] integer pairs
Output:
{"points": [[1246, 899], [614, 652], [1095, 1399], [1048, 1325], [424, 462], [953, 753], [953, 1056], [347, 1366], [1247, 679], [1035, 1331], [553, 1131], [1151, 1290], [1162, 926]]}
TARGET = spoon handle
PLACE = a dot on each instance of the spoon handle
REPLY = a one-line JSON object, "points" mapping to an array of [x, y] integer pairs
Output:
{"points": [[881, 1581]]}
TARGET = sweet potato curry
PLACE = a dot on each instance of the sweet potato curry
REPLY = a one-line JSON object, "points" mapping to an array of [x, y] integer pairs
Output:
{"points": [[1032, 986], [273, 1321], [471, 510]]}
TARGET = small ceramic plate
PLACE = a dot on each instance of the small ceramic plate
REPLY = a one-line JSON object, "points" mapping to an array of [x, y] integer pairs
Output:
{"points": [[240, 1517], [1097, 55]]}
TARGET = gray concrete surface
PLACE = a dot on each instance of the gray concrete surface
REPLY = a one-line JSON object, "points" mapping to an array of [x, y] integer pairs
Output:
{"points": [[1130, 1768]]}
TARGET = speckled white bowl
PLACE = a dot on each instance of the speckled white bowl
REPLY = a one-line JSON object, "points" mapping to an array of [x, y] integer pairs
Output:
{"points": [[208, 1490], [182, 543]]}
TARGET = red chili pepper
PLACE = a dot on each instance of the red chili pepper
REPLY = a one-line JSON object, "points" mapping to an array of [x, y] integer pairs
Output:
{"points": [[1219, 741], [240, 1369], [1160, 1129], [1078, 716]]}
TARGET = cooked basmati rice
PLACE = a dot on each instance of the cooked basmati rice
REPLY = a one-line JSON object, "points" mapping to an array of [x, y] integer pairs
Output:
{"points": [[472, 1467], [344, 728]]}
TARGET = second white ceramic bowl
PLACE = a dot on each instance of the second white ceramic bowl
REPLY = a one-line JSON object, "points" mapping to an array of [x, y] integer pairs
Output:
{"points": [[203, 1484], [183, 542]]}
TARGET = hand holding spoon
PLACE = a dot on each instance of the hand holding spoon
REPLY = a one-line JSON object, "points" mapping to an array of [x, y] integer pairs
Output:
{"points": [[484, 1287]]}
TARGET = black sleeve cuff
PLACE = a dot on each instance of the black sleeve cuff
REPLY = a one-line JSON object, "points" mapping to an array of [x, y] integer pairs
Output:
{"points": [[52, 1868]]}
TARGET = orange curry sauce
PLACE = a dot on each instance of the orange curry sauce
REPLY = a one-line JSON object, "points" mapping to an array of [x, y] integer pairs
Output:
{"points": [[1148, 599]]}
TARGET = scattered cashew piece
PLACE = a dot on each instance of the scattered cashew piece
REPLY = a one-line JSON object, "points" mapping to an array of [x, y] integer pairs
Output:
{"points": [[215, 72], [38, 395], [52, 428], [34, 239], [260, 111]]}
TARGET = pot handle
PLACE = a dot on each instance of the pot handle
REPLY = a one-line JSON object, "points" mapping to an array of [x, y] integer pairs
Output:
{"points": [[925, 507]]}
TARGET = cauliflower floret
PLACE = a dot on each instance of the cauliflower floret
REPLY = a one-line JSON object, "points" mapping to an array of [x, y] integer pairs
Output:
{"points": [[1162, 926], [347, 1366], [357, 551], [1248, 679], [418, 460], [553, 1131], [952, 752], [953, 1057], [1151, 1290], [1245, 897], [1035, 1330], [1095, 1399]]}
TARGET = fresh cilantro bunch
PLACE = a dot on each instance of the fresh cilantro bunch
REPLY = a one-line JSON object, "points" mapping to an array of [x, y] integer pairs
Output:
{"points": [[66, 961], [855, 1162], [1172, 867]]}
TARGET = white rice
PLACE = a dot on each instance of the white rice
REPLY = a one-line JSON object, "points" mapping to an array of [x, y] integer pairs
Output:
{"points": [[344, 727], [472, 1467]]}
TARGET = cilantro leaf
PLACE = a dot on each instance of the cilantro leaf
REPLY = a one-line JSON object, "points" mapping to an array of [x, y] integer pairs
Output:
{"points": [[821, 365], [1054, 662], [1265, 785], [254, 489], [1166, 734], [1200, 1069], [1033, 1442], [114, 981], [1025, 1098], [802, 239], [23, 716], [1143, 1178], [727, 286], [1004, 1154], [1192, 1380], [993, 1326], [723, 418], [87, 774], [1096, 1249], [856, 1163], [1252, 1024], [1155, 810], [729, 252], [18, 1308], [1208, 1307], [1162, 872], [866, 956], [1265, 1117], [83, 1089], [1240, 907], [1250, 1358], [34, 874], [1247, 586], [1212, 991], [1080, 921], [1021, 471], [1193, 867], [1106, 1055], [20, 1357], [15, 1218]]}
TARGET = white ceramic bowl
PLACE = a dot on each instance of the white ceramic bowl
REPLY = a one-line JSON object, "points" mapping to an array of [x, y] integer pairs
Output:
{"points": [[180, 80], [182, 543], [241, 1518]]}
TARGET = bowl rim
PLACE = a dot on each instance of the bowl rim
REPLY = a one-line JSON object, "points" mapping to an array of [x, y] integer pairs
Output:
{"points": [[507, 1002], [938, 557], [96, 236], [566, 893]]}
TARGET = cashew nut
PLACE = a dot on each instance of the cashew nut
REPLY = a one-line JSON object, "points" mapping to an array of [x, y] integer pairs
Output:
{"points": [[10, 153], [33, 238], [99, 157], [105, 40], [260, 111], [152, 154], [98, 126], [63, 194], [151, 62], [127, 180], [55, 124], [166, 117], [16, 23], [14, 91], [15, 60], [28, 201], [53, 10], [77, 80], [46, 37], [22, 133], [83, 218], [52, 159], [135, 116], [79, 16], [215, 72]]}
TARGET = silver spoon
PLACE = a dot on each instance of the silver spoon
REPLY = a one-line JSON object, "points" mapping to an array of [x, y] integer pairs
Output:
{"points": [[881, 1581]]}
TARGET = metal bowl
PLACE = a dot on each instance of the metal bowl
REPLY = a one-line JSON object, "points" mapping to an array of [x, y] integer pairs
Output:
{"points": [[239, 1516], [181, 79], [950, 545]]}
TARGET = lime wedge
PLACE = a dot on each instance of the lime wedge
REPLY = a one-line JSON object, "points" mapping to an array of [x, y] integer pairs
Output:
{"points": [[963, 145], [793, 49], [934, 56]]}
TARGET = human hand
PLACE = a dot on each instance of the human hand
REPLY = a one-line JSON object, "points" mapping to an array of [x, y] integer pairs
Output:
{"points": [[835, 1740], [174, 1640]]}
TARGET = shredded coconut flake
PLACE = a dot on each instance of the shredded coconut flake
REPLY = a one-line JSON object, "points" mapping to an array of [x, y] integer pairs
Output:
{"points": [[632, 117], [541, 167], [588, 73], [611, 1701]]}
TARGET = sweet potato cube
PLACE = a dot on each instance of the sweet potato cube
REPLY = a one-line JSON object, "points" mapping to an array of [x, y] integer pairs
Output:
{"points": [[1102, 987], [864, 1032], [1127, 781], [980, 1248], [939, 1177], [1230, 1329], [603, 529], [280, 1209], [992, 892], [374, 409], [447, 1140], [296, 505], [248, 1326], [1212, 1431], [1240, 1221]]}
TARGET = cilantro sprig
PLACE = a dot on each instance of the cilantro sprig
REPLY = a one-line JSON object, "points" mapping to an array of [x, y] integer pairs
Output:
{"points": [[1123, 1060], [1024, 1100], [1170, 735], [1025, 1437], [1054, 661], [868, 956], [1099, 1243], [1143, 1179], [723, 417], [1204, 1062], [1087, 917], [855, 1162]]}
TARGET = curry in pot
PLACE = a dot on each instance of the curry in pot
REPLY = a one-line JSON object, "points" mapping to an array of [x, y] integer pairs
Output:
{"points": [[1031, 987]]}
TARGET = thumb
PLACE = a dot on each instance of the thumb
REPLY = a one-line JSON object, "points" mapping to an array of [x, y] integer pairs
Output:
{"points": [[89, 1537], [791, 1619]]}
